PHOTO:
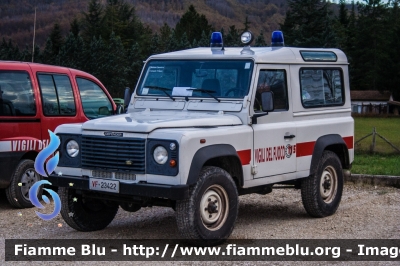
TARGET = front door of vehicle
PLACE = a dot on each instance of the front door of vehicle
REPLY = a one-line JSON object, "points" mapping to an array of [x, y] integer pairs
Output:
{"points": [[274, 150]]}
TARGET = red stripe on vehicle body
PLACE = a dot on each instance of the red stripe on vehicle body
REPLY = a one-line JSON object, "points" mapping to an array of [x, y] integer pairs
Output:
{"points": [[245, 156], [307, 148], [349, 142]]}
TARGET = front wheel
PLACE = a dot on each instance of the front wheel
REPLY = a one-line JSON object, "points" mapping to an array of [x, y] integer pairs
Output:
{"points": [[208, 216], [21, 182], [321, 192], [85, 214]]}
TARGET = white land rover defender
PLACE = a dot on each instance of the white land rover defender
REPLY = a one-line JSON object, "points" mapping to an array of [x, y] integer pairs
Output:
{"points": [[206, 125]]}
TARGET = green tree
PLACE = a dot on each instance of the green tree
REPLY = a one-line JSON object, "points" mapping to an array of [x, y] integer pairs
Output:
{"points": [[204, 40], [120, 19], [72, 53], [47, 56], [233, 37], [165, 33], [134, 66], [260, 41], [308, 23], [75, 27], [371, 59], [246, 24], [172, 44], [193, 24], [8, 51], [341, 25], [392, 75], [56, 39], [184, 42], [92, 23]]}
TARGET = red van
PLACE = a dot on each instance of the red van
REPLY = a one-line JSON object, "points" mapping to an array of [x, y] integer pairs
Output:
{"points": [[35, 98]]}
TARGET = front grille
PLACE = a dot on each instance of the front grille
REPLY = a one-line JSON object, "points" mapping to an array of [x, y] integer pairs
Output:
{"points": [[113, 153]]}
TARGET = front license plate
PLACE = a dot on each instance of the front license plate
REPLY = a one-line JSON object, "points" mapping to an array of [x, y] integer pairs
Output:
{"points": [[104, 185]]}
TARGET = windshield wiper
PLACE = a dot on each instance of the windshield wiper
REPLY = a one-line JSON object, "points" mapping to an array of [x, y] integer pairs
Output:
{"points": [[206, 91], [161, 89]]}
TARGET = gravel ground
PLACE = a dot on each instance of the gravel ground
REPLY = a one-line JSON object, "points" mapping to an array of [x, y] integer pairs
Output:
{"points": [[366, 212]]}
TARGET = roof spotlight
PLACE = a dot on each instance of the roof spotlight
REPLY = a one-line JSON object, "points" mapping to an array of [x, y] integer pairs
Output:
{"points": [[247, 37]]}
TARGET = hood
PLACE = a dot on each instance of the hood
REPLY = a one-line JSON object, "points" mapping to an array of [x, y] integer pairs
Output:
{"points": [[147, 121]]}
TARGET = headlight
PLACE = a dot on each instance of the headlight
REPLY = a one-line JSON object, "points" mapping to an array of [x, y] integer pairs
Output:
{"points": [[160, 155], [72, 148]]}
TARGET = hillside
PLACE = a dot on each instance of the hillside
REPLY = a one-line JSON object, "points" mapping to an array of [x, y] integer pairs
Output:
{"points": [[17, 16]]}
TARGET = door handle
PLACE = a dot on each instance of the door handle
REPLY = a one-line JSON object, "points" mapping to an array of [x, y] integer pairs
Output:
{"points": [[289, 137]]}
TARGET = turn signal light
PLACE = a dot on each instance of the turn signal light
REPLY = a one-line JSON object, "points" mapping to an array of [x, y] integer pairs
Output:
{"points": [[172, 163]]}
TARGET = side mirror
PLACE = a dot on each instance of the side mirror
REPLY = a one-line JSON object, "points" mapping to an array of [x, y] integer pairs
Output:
{"points": [[127, 97], [267, 101], [120, 109], [103, 110]]}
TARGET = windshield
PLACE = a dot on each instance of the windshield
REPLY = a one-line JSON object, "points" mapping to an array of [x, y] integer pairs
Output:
{"points": [[189, 78]]}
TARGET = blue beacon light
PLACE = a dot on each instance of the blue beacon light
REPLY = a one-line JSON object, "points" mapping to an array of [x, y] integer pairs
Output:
{"points": [[277, 39], [216, 42]]}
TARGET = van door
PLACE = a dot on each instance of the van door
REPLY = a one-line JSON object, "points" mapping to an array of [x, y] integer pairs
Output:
{"points": [[19, 117], [274, 134], [59, 102]]}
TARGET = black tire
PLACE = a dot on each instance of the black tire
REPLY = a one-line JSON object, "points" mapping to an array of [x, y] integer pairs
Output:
{"points": [[208, 216], [22, 180], [321, 193], [85, 214]]}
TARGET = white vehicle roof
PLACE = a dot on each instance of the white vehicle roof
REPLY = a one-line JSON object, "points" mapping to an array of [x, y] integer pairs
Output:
{"points": [[273, 55]]}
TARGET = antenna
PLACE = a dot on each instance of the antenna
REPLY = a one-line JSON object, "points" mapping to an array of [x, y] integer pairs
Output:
{"points": [[34, 33]]}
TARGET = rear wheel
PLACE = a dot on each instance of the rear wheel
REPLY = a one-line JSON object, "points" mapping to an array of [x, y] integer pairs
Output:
{"points": [[208, 216], [21, 182], [85, 214], [321, 192]]}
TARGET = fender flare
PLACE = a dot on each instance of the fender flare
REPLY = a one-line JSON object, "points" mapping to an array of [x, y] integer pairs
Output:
{"points": [[321, 144], [206, 153]]}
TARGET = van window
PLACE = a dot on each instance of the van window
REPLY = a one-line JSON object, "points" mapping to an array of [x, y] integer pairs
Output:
{"points": [[272, 80], [57, 95], [16, 94], [94, 101], [321, 87]]}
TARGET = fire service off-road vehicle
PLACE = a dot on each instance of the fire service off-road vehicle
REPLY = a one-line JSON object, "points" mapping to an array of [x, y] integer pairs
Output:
{"points": [[206, 125]]}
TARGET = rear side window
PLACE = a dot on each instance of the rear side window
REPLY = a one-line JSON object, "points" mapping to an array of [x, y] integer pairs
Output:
{"points": [[94, 101], [321, 87], [16, 94], [57, 95]]}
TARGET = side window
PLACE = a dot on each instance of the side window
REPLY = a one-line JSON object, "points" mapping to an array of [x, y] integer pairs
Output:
{"points": [[95, 102], [16, 94], [272, 80], [57, 95], [321, 87]]}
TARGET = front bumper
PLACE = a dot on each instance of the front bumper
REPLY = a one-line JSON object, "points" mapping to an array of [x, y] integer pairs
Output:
{"points": [[173, 192]]}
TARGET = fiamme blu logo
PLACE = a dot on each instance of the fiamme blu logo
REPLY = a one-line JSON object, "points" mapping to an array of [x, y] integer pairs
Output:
{"points": [[51, 164]]}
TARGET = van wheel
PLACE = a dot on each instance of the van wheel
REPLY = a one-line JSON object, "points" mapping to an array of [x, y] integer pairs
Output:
{"points": [[208, 216], [321, 193], [85, 214], [21, 182]]}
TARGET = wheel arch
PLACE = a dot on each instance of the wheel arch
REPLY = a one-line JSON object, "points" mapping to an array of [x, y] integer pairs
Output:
{"points": [[31, 155], [331, 142], [219, 155]]}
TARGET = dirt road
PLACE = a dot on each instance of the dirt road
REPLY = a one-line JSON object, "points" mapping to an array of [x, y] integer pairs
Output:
{"points": [[366, 212]]}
